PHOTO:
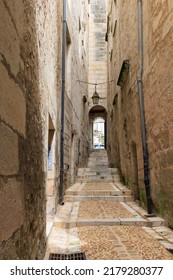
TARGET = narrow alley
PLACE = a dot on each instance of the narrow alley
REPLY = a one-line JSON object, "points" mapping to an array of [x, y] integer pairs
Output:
{"points": [[86, 129], [100, 219]]}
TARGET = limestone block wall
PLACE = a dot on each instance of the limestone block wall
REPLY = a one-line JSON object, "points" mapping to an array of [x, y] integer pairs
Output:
{"points": [[48, 16], [123, 117], [29, 108], [76, 119], [21, 189], [159, 101], [124, 124], [97, 50]]}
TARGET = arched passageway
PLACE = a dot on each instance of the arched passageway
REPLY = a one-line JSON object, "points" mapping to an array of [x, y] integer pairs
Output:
{"points": [[98, 127]]}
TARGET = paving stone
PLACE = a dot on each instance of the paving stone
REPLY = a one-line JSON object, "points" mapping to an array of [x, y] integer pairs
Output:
{"points": [[133, 221], [156, 221], [97, 222], [70, 198], [102, 209], [98, 247]]}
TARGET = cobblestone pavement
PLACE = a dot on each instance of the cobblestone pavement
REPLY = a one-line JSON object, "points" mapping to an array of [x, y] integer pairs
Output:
{"points": [[103, 209], [98, 186], [119, 243], [111, 242], [102, 220]]}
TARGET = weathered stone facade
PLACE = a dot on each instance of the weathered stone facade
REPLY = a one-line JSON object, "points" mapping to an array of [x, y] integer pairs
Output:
{"points": [[97, 49], [76, 146], [97, 62], [125, 146], [30, 102], [101, 39], [22, 171]]}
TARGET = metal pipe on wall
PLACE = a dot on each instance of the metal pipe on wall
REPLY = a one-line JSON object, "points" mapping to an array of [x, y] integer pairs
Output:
{"points": [[61, 201], [141, 107]]}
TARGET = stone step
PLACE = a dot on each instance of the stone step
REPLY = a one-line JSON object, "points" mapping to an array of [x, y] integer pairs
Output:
{"points": [[68, 218], [104, 168], [97, 175], [98, 166], [70, 223], [112, 222], [101, 175], [97, 163], [98, 193], [95, 179], [97, 171], [98, 160], [74, 198], [100, 157], [82, 181], [98, 153]]}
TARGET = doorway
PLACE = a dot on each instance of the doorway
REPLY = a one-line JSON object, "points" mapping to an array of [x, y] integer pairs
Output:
{"points": [[72, 158], [99, 133], [135, 171], [98, 127], [51, 175]]}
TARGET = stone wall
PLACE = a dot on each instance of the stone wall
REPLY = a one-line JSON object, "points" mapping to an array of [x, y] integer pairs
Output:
{"points": [[30, 109], [97, 71], [22, 174], [29, 113], [125, 147], [48, 18], [76, 143], [97, 50], [159, 101]]}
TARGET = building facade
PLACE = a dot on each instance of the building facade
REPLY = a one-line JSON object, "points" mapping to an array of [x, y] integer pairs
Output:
{"points": [[125, 146], [30, 117], [97, 71], [106, 40]]}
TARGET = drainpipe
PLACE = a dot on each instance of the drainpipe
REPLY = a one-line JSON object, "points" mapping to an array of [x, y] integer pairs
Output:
{"points": [[141, 107], [61, 201]]}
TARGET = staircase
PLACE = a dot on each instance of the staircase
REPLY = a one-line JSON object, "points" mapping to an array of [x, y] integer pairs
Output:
{"points": [[99, 172], [98, 169], [100, 218]]}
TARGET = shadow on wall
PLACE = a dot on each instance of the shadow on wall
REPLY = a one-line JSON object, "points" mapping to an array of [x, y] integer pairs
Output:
{"points": [[25, 218]]}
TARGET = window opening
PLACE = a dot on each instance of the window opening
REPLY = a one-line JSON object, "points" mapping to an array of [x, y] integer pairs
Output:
{"points": [[50, 144]]}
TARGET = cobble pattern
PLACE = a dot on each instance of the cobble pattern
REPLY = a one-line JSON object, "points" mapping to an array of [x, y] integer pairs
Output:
{"points": [[103, 223], [103, 209], [120, 243], [98, 186]]}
